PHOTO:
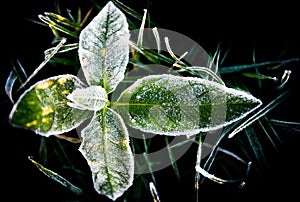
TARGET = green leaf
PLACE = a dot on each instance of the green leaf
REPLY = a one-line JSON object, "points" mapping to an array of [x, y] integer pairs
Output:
{"points": [[175, 105], [43, 107], [106, 148], [104, 48]]}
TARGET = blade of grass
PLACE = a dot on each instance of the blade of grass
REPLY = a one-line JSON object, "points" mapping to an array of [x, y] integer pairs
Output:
{"points": [[86, 17], [266, 126], [238, 68], [215, 60], [259, 114], [149, 163], [43, 151], [16, 73], [284, 79], [255, 145], [172, 159], [215, 149], [141, 30], [151, 55], [258, 76], [205, 71], [157, 39], [63, 49], [54, 176], [57, 26], [44, 62], [59, 151], [128, 10], [22, 70], [285, 123], [62, 20], [154, 192], [198, 163], [295, 126], [12, 77], [214, 178]]}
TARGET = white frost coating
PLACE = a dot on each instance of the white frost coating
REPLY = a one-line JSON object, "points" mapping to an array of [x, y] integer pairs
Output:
{"points": [[208, 175], [91, 98], [190, 95], [104, 48], [108, 153]]}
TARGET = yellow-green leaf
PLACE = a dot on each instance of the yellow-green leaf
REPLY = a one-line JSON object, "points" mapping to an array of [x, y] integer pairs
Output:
{"points": [[43, 107]]}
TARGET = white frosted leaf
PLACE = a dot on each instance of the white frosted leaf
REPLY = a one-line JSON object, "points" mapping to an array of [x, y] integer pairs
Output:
{"points": [[43, 107], [90, 98], [106, 148], [175, 105], [104, 48]]}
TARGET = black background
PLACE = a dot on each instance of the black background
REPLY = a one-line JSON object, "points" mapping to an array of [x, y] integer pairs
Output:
{"points": [[271, 29]]}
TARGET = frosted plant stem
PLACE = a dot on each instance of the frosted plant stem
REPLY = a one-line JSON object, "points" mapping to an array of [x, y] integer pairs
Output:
{"points": [[44, 62], [154, 192], [141, 31], [157, 39], [198, 160]]}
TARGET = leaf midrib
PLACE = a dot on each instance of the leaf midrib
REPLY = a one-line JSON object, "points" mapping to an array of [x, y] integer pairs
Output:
{"points": [[104, 139]]}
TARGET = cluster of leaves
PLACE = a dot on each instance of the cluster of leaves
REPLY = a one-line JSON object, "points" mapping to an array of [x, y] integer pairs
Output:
{"points": [[160, 104]]}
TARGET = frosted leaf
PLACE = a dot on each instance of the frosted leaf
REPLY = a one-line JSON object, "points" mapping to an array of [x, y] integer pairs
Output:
{"points": [[175, 105], [43, 107], [90, 98], [104, 48], [106, 148]]}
